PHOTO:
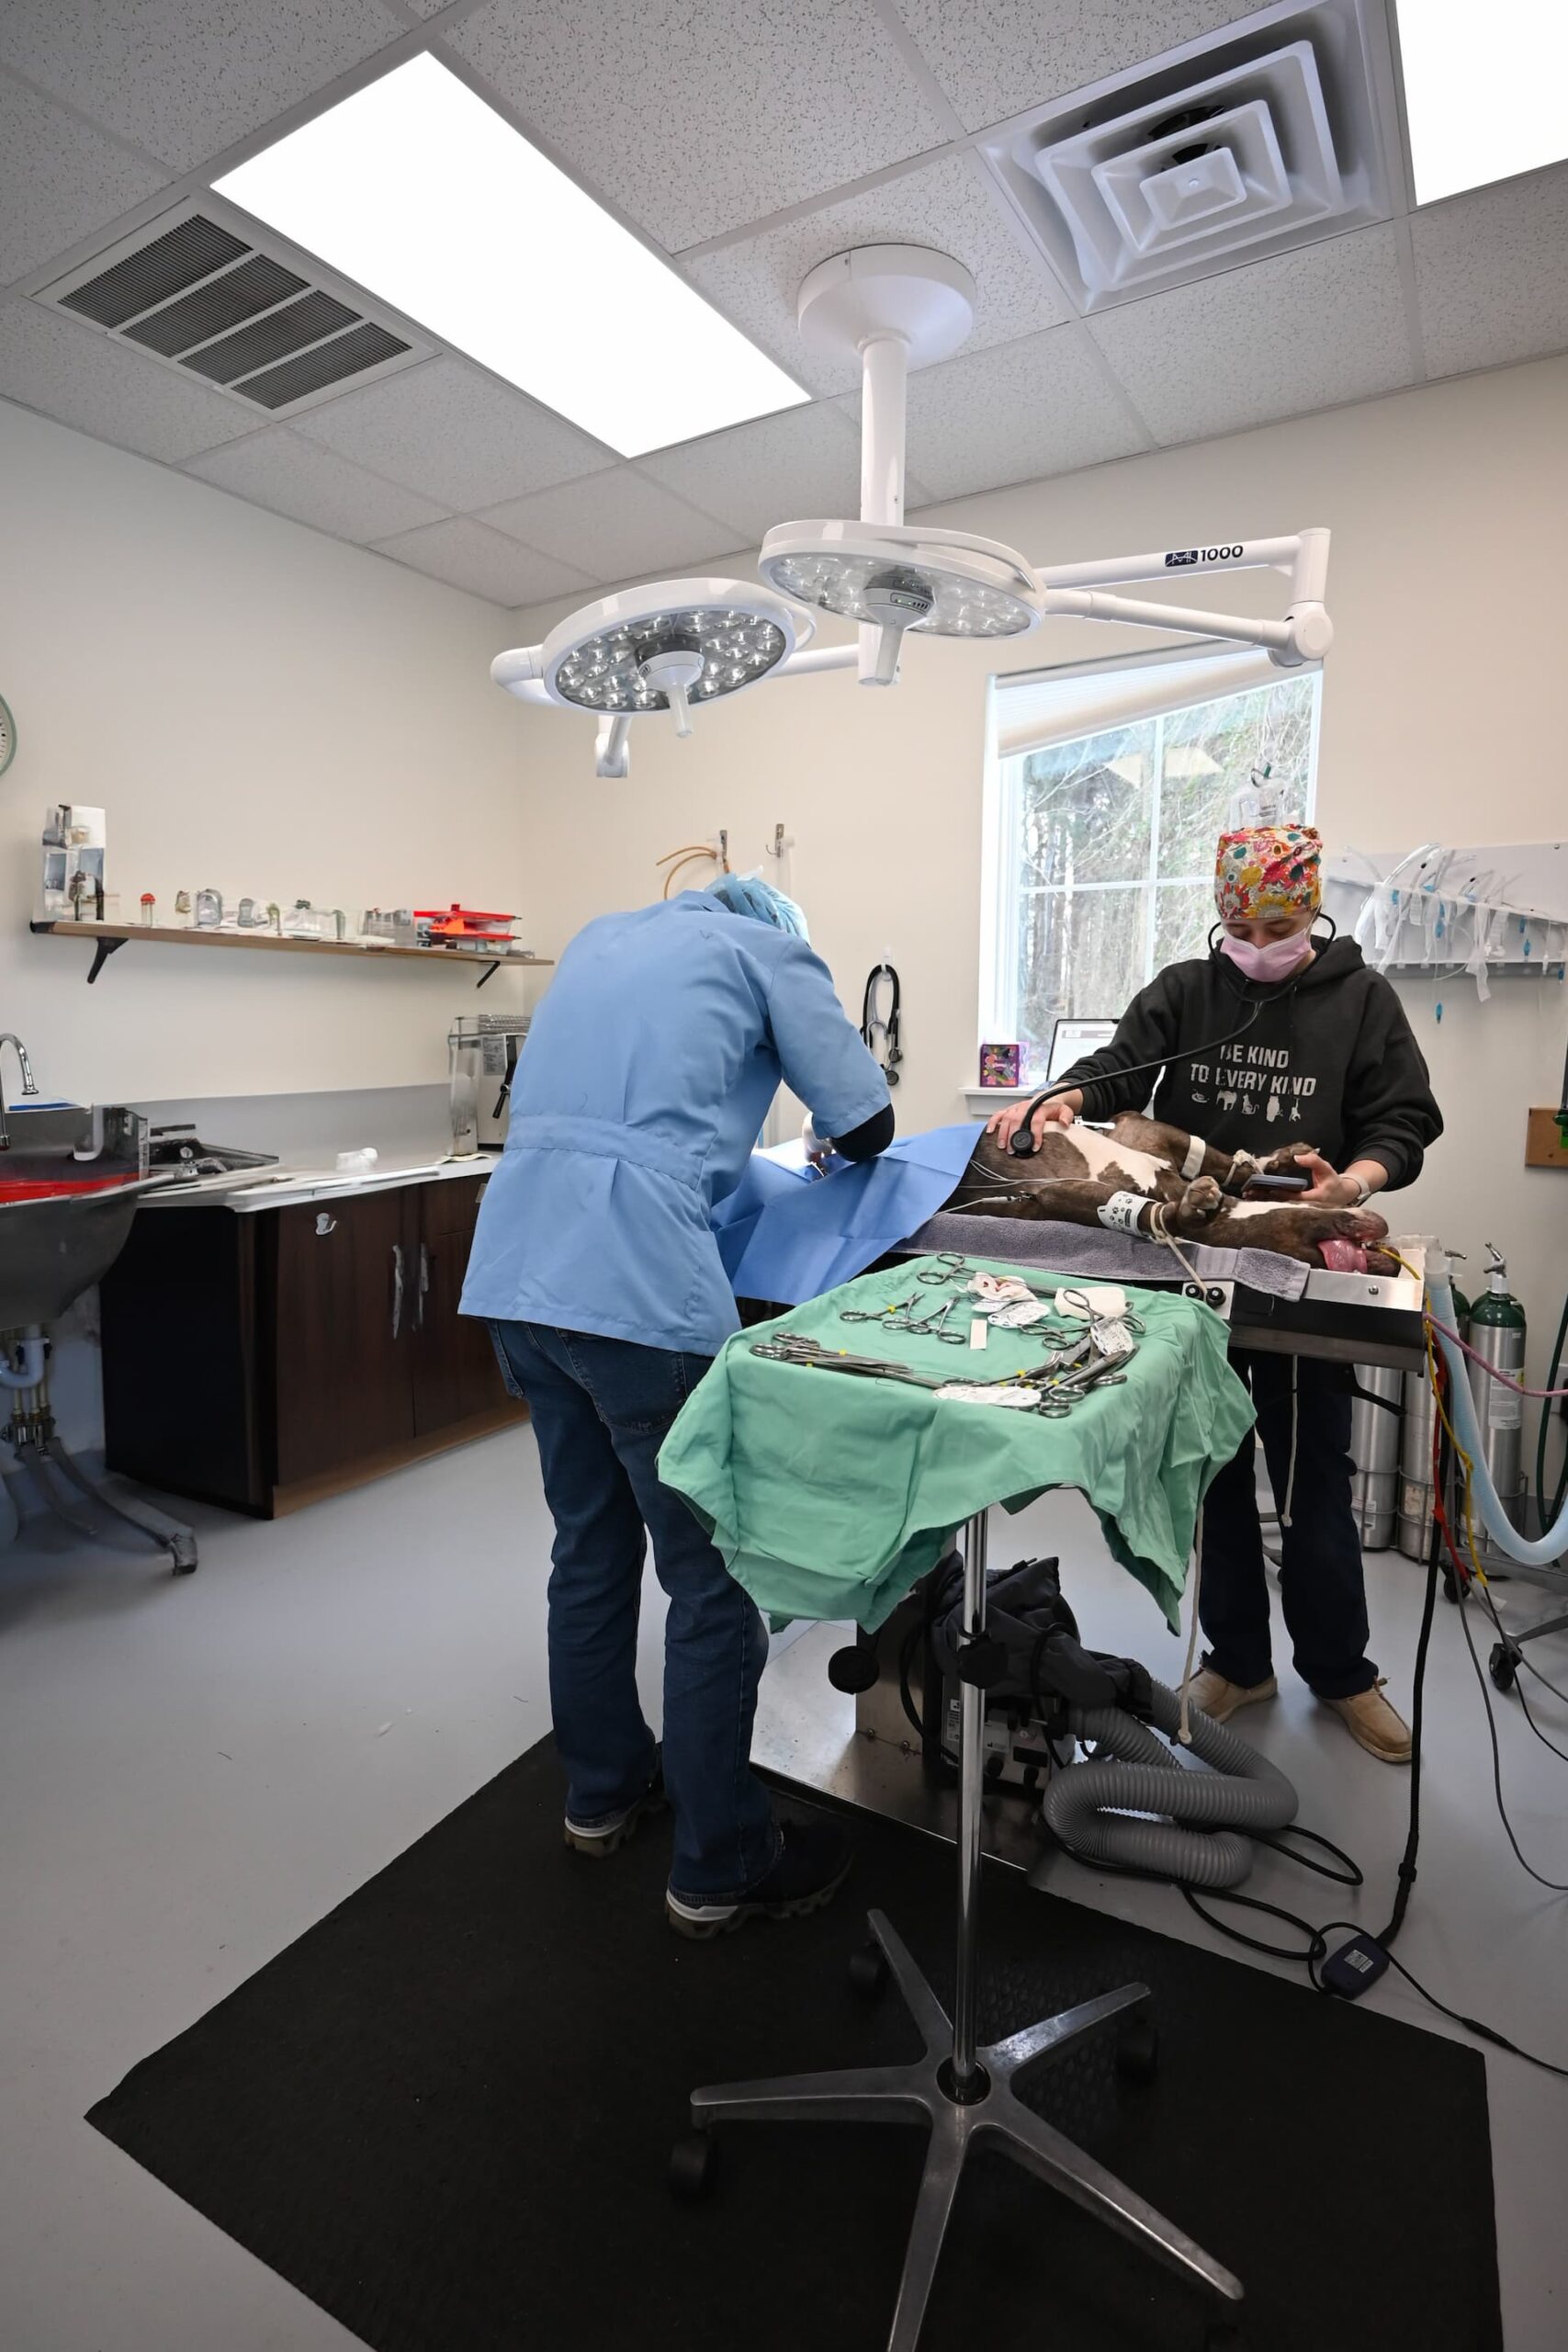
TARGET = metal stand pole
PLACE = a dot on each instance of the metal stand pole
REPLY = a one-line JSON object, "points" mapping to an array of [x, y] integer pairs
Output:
{"points": [[966, 2076], [963, 2091]]}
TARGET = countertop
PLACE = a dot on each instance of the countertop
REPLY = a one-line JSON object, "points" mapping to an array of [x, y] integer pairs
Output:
{"points": [[248, 1190]]}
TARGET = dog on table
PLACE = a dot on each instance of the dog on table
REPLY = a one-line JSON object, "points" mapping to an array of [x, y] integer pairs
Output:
{"points": [[1183, 1185]]}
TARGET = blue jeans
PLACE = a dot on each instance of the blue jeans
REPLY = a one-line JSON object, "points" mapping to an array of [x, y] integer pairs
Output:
{"points": [[1322, 1591], [600, 1410]]}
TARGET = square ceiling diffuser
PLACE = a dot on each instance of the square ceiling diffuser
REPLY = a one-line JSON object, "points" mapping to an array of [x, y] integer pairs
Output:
{"points": [[1223, 151]]}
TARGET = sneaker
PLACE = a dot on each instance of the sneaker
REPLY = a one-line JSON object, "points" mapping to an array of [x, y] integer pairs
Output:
{"points": [[611, 1831], [1217, 1699], [812, 1863], [1373, 1725]]}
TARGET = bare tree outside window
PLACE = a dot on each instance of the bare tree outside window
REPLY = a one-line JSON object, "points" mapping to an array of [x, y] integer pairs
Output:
{"points": [[1112, 842]]}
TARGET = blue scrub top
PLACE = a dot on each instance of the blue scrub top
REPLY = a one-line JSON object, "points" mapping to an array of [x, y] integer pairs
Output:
{"points": [[638, 1099]]}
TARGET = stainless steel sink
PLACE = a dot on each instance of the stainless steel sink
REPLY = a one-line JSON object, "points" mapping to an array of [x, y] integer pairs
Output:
{"points": [[56, 1241]]}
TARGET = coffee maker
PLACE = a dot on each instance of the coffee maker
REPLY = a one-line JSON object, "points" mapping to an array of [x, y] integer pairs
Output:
{"points": [[483, 1049]]}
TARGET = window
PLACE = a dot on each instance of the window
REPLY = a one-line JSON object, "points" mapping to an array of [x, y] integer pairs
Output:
{"points": [[1107, 787]]}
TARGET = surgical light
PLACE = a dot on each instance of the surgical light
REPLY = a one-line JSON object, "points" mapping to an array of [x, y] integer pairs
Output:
{"points": [[679, 644], [416, 189], [675, 645], [1484, 90]]}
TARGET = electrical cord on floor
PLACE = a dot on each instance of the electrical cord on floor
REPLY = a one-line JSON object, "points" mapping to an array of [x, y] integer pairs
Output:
{"points": [[1313, 1944], [1467, 1580], [1529, 1668], [1554, 1886], [1471, 2025], [1485, 1590]]}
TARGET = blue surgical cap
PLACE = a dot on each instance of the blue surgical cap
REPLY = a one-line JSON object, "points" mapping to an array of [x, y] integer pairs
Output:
{"points": [[747, 893]]}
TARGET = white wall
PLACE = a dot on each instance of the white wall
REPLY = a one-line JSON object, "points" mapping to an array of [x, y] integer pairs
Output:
{"points": [[259, 709], [1442, 717]]}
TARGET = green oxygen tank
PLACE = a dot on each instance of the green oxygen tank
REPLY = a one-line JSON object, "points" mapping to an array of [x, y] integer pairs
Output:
{"points": [[1497, 1335]]}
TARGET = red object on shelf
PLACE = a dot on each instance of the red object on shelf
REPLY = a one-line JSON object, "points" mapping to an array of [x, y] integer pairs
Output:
{"points": [[49, 1188], [455, 926]]}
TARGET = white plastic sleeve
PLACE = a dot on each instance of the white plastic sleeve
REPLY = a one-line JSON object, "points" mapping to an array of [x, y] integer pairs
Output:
{"points": [[1121, 1211], [1193, 1163]]}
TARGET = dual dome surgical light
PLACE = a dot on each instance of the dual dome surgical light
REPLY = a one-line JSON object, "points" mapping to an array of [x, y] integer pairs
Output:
{"points": [[678, 644]]}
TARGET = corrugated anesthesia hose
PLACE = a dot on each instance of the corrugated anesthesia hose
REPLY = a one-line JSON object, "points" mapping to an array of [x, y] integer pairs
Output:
{"points": [[1089, 1805], [1525, 1554]]}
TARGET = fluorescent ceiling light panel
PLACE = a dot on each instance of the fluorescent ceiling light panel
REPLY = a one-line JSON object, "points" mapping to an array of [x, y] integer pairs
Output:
{"points": [[1485, 90], [422, 194]]}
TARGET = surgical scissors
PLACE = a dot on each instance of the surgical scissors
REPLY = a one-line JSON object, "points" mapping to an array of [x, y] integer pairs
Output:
{"points": [[893, 1309], [933, 1326], [951, 1266]]}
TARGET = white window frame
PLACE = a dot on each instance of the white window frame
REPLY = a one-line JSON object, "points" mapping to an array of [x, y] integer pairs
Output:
{"points": [[1116, 689]]}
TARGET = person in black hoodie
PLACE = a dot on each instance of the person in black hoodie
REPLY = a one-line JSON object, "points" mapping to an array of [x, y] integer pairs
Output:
{"points": [[1315, 1046]]}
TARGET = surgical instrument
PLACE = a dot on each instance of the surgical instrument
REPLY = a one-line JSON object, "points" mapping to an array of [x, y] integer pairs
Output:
{"points": [[951, 1266], [794, 1347], [893, 1309], [934, 1326]]}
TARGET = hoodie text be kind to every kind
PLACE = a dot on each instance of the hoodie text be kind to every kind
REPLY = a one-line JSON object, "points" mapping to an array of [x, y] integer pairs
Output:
{"points": [[1240, 1072]]}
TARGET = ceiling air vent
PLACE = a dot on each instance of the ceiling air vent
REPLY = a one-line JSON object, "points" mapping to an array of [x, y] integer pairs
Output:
{"points": [[205, 297], [1229, 149]]}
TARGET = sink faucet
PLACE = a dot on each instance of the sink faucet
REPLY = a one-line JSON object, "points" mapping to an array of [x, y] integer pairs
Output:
{"points": [[9, 1037]]}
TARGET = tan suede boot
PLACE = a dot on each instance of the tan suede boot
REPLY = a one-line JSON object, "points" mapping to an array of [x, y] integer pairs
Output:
{"points": [[1219, 1699], [1373, 1725]]}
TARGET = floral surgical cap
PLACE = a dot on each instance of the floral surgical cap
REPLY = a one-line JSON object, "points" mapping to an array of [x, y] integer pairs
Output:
{"points": [[1268, 870]]}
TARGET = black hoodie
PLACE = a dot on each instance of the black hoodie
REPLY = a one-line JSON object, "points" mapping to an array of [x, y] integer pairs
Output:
{"points": [[1329, 1059]]}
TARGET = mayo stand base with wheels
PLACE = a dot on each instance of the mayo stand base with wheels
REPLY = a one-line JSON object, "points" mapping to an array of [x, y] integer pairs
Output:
{"points": [[962, 2090]]}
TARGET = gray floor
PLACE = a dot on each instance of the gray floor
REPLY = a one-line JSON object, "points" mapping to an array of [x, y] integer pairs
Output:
{"points": [[191, 1773]]}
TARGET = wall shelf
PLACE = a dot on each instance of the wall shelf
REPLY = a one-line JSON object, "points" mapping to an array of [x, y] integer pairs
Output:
{"points": [[107, 937]]}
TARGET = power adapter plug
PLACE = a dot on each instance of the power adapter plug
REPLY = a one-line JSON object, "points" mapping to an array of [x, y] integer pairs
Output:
{"points": [[1355, 1968]]}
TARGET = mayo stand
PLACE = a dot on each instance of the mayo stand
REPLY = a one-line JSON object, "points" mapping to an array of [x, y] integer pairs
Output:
{"points": [[961, 2088]]}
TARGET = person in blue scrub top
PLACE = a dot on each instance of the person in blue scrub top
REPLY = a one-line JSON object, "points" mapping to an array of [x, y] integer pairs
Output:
{"points": [[639, 1094]]}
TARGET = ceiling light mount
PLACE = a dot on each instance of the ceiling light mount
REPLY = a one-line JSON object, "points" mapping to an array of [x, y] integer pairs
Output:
{"points": [[897, 306]]}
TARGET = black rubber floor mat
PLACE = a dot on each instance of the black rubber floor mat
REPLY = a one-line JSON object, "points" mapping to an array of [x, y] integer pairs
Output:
{"points": [[444, 2113]]}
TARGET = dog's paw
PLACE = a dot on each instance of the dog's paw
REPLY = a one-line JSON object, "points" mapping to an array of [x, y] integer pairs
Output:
{"points": [[1201, 1202]]}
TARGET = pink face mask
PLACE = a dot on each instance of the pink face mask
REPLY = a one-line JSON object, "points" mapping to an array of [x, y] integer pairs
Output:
{"points": [[1276, 961]]}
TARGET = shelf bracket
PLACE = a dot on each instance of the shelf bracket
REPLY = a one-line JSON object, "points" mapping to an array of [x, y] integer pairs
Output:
{"points": [[102, 950], [489, 973]]}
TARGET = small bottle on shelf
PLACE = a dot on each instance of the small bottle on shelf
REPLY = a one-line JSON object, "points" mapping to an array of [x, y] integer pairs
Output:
{"points": [[149, 909]]}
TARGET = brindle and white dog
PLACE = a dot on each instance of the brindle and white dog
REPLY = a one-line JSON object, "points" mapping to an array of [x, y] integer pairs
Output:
{"points": [[1074, 1171]]}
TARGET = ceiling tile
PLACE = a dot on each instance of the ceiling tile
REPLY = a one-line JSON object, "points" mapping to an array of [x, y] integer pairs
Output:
{"points": [[1308, 330], [1491, 272], [1013, 413], [184, 78], [949, 205], [83, 378], [804, 461], [453, 435], [469, 555], [277, 467], [997, 60], [612, 526], [697, 119], [59, 181]]}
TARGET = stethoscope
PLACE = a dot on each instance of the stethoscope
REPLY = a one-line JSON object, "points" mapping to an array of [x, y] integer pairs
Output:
{"points": [[881, 1032], [1025, 1143]]}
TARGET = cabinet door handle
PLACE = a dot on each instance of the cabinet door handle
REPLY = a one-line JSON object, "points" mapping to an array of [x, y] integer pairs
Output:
{"points": [[396, 1286], [424, 1287]]}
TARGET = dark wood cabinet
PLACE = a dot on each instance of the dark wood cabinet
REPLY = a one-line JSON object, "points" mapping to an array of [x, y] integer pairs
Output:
{"points": [[345, 1385], [261, 1361]]}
